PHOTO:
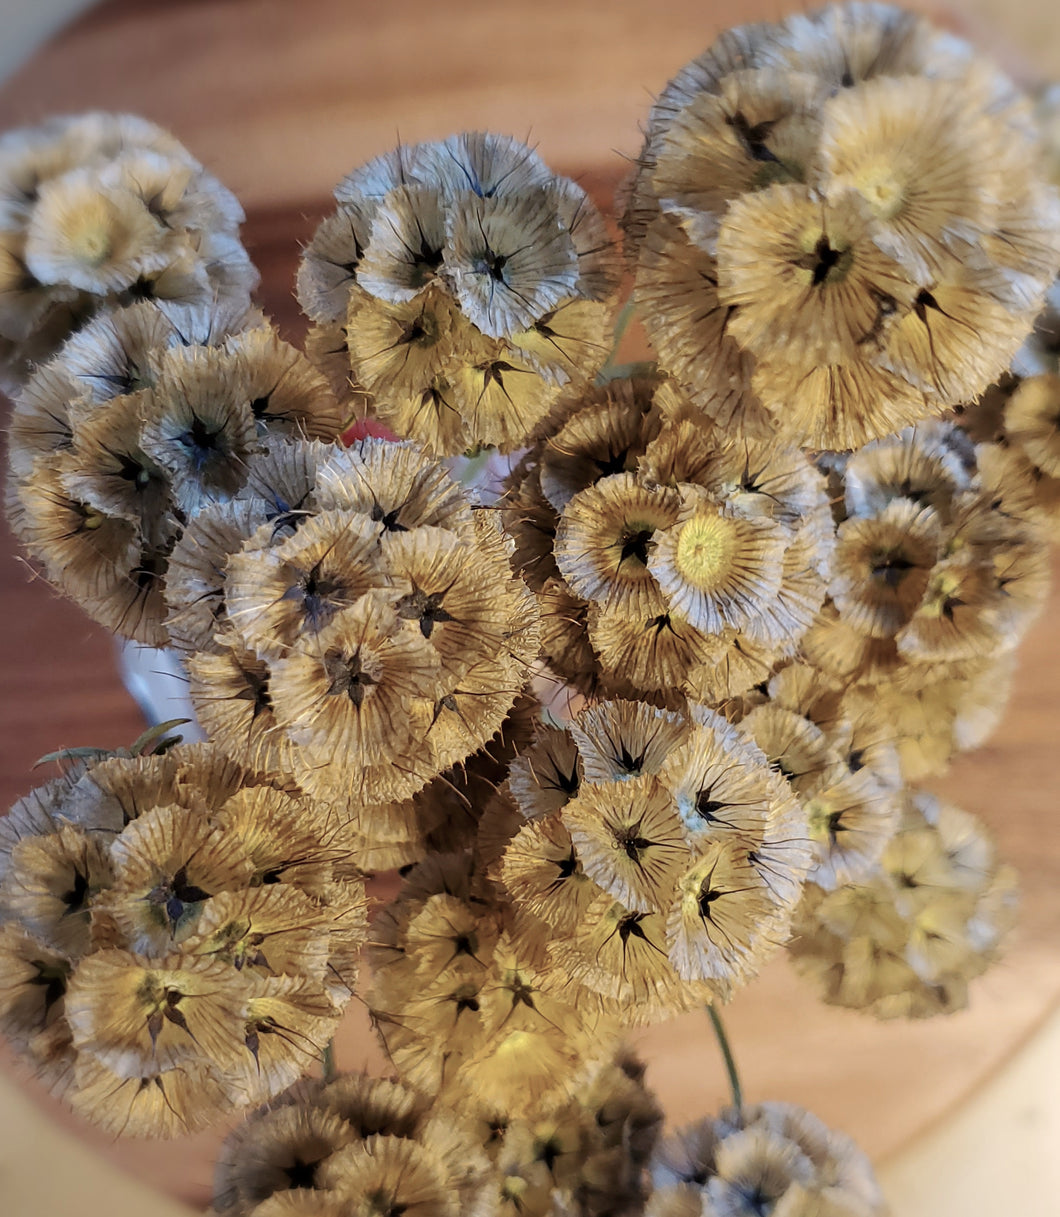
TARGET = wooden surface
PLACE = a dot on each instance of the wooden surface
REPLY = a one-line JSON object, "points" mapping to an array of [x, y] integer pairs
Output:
{"points": [[281, 99]]}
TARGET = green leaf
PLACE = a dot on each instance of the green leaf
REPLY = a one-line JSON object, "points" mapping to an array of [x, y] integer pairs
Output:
{"points": [[73, 754], [154, 740]]}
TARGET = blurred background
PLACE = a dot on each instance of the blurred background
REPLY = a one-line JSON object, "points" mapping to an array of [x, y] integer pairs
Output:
{"points": [[280, 99]]}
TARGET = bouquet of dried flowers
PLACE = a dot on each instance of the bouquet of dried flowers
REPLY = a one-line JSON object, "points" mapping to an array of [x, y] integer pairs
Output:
{"points": [[780, 573]]}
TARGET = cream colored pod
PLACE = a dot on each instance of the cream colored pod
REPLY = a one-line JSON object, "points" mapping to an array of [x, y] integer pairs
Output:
{"points": [[839, 225], [465, 286]]}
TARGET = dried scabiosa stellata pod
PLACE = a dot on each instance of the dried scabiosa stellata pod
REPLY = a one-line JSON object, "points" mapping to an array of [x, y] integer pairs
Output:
{"points": [[766, 1158], [145, 418], [656, 857], [1019, 452], [178, 937], [354, 1145], [937, 575], [671, 558], [905, 942], [462, 1005], [101, 210], [462, 285], [354, 621], [588, 1155], [824, 248], [849, 789]]}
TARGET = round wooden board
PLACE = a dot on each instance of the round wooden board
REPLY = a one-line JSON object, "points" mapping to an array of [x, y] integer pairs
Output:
{"points": [[281, 100]]}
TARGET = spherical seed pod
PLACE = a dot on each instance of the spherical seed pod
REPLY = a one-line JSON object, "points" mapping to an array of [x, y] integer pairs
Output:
{"points": [[467, 284], [175, 906], [819, 240]]}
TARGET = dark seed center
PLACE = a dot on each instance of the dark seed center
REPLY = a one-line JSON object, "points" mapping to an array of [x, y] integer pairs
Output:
{"points": [[52, 979], [706, 807], [567, 866], [176, 894], [495, 264], [301, 1174], [663, 622], [891, 569], [567, 782], [259, 407], [835, 826], [493, 373], [74, 899], [630, 927], [549, 1153], [388, 519], [923, 302], [706, 899], [347, 676], [632, 843], [321, 598], [132, 470], [200, 442], [424, 608], [826, 260], [256, 691], [613, 462], [635, 545], [629, 763], [753, 137]]}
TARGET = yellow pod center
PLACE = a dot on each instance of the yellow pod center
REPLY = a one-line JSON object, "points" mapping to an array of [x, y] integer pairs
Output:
{"points": [[706, 547], [91, 235], [878, 186]]}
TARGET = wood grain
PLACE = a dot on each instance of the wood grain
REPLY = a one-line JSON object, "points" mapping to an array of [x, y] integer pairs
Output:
{"points": [[281, 100]]}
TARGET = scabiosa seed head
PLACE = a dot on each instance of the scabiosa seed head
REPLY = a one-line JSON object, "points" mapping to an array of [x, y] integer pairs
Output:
{"points": [[670, 559], [906, 941], [102, 210], [821, 243], [473, 285], [769, 1156], [664, 855], [145, 419], [367, 621], [166, 948]]}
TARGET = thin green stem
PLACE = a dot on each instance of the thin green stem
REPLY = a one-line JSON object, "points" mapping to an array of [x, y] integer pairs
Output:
{"points": [[327, 1059], [625, 371], [622, 321], [726, 1052], [470, 466]]}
